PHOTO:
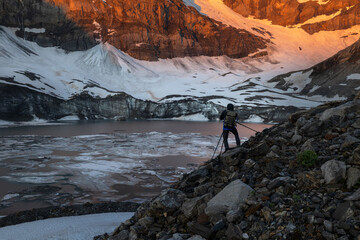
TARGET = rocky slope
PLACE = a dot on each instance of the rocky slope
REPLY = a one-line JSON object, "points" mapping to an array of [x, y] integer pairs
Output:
{"points": [[262, 191], [335, 14], [146, 30], [335, 76]]}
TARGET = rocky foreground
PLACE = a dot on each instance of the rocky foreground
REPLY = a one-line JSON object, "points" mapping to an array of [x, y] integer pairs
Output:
{"points": [[262, 191]]}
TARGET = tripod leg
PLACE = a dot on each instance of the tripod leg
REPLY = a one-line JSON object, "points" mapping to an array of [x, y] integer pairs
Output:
{"points": [[217, 145]]}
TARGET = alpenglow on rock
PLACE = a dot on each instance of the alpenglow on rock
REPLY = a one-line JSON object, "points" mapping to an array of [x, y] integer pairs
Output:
{"points": [[145, 30]]}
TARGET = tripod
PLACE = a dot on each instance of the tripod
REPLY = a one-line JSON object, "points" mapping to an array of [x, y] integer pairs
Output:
{"points": [[218, 145], [247, 127]]}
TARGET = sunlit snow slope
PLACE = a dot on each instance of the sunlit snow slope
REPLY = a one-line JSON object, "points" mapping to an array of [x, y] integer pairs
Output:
{"points": [[104, 70]]}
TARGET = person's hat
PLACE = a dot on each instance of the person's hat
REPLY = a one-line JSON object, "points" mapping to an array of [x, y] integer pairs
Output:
{"points": [[230, 106]]}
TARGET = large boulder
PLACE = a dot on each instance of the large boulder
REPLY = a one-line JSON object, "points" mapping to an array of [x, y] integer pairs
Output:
{"points": [[229, 198], [333, 171]]}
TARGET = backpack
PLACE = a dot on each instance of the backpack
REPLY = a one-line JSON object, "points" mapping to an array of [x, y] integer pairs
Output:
{"points": [[230, 119]]}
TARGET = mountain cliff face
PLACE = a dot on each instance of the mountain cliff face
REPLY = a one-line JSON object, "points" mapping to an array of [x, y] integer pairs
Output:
{"points": [[146, 30], [335, 14], [338, 75]]}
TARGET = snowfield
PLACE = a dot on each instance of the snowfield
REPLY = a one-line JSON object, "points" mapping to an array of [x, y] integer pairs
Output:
{"points": [[74, 228], [104, 70]]}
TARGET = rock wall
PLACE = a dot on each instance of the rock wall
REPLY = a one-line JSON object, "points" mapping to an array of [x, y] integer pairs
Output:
{"points": [[291, 12], [22, 104], [264, 189], [146, 30]]}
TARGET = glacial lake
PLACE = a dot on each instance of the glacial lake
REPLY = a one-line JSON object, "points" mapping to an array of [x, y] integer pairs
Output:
{"points": [[74, 162]]}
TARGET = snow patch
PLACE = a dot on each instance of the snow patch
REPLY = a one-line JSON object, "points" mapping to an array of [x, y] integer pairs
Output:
{"points": [[70, 118], [299, 80], [35, 30], [355, 76], [254, 119], [193, 4], [320, 2], [9, 196], [195, 117], [320, 18], [74, 228]]}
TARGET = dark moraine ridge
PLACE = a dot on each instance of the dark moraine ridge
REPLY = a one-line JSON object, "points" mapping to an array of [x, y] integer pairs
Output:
{"points": [[23, 104]]}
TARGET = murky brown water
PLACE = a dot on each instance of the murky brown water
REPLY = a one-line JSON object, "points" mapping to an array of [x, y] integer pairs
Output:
{"points": [[94, 161]]}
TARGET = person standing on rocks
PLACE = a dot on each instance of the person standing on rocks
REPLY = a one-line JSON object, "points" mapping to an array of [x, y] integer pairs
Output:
{"points": [[229, 117]]}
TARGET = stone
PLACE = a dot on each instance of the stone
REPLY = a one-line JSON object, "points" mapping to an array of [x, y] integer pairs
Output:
{"points": [[243, 225], [189, 207], [356, 156], [245, 236], [198, 174], [234, 232], [218, 226], [234, 215], [199, 229], [277, 182], [177, 236], [296, 139], [356, 125], [290, 227], [260, 150], [328, 235], [333, 171], [343, 211], [249, 163], [271, 154], [265, 235], [354, 197], [337, 111], [169, 200], [307, 146], [146, 221], [356, 133], [266, 213], [196, 237], [300, 122], [229, 198], [311, 129], [328, 226], [229, 157], [202, 189], [353, 177], [349, 141], [203, 219], [123, 235]]}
